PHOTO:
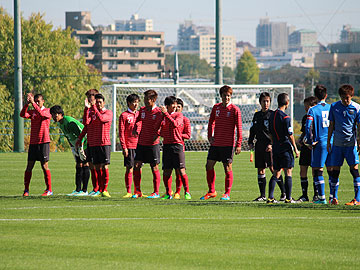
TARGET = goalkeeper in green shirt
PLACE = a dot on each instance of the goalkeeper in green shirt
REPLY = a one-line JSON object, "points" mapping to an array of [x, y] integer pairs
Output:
{"points": [[71, 129]]}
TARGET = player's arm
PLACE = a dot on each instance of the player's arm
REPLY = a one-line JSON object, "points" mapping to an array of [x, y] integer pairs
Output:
{"points": [[289, 132], [330, 129], [138, 124], [103, 117], [252, 133], [122, 132], [175, 121], [43, 113], [74, 129], [309, 129], [81, 136], [24, 112], [187, 130], [238, 124], [211, 126]]}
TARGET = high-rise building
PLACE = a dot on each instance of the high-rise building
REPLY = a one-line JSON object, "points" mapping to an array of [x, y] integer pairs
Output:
{"points": [[303, 41], [188, 35], [272, 36], [349, 34], [134, 24], [78, 20]]}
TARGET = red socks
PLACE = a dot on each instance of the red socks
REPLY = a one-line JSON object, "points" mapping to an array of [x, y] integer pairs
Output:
{"points": [[228, 182], [105, 179], [185, 182], [128, 181], [210, 177], [168, 182], [178, 182], [47, 177], [99, 180], [27, 178], [94, 180], [156, 181], [137, 180]]}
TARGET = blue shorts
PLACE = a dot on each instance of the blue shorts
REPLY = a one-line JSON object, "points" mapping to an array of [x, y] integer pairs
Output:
{"points": [[283, 160], [338, 153], [319, 156]]}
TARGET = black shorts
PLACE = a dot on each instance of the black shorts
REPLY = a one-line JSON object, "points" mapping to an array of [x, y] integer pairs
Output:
{"points": [[100, 154], [283, 160], [263, 159], [305, 156], [173, 156], [129, 160], [148, 154], [88, 159], [221, 153], [40, 152]]}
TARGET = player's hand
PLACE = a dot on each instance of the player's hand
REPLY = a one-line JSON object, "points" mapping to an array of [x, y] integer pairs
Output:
{"points": [[30, 98], [237, 150], [125, 152], [87, 104], [268, 148], [297, 153], [211, 140], [163, 109], [328, 147]]}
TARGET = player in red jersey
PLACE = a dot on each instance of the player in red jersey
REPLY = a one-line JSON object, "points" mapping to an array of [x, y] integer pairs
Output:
{"points": [[173, 148], [39, 148], [148, 148], [127, 140], [186, 134], [224, 118], [98, 126]]}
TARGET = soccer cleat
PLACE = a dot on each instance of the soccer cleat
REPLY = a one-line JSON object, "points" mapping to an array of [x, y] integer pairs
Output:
{"points": [[271, 201], [96, 194], [177, 196], [187, 196], [137, 195], [154, 196], [81, 193], [166, 197], [282, 197], [303, 199], [91, 193], [47, 193], [105, 194], [334, 201], [26, 193], [320, 201], [73, 193], [225, 197], [315, 198], [260, 199], [127, 195], [209, 195], [290, 201], [353, 202]]}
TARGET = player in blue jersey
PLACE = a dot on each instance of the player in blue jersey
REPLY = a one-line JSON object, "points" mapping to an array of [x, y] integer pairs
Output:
{"points": [[344, 117], [316, 129], [283, 143]]}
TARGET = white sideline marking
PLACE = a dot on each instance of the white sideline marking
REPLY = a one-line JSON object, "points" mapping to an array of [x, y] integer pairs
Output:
{"points": [[175, 218]]}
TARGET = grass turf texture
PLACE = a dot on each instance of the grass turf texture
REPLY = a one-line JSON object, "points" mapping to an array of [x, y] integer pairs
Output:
{"points": [[61, 232]]}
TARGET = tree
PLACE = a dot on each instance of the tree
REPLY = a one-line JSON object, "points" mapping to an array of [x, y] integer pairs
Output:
{"points": [[247, 71], [51, 65], [228, 75], [311, 79]]}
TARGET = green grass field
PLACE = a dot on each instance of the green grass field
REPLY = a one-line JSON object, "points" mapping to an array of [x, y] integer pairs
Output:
{"points": [[61, 232]]}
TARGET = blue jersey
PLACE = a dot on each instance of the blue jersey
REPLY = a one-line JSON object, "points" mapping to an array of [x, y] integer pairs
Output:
{"points": [[280, 129], [345, 118], [317, 123]]}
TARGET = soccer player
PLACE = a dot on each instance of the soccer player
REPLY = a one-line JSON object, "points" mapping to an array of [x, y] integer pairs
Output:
{"points": [[72, 129], [224, 118], [263, 157], [39, 148], [305, 153], [344, 115], [98, 135], [148, 148], [283, 144], [186, 134], [127, 140]]}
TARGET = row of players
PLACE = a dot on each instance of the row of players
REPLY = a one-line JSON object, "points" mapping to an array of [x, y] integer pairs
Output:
{"points": [[139, 137]]}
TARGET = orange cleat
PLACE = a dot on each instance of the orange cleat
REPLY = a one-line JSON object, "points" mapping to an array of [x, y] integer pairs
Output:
{"points": [[209, 195], [353, 202]]}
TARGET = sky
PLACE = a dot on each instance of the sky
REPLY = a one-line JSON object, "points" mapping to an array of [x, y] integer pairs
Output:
{"points": [[240, 17]]}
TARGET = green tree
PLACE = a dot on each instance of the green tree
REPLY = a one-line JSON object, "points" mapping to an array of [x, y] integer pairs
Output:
{"points": [[228, 75], [247, 71], [311, 79]]}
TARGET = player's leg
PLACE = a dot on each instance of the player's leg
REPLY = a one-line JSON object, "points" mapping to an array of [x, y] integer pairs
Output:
{"points": [[304, 183], [179, 166], [105, 179], [288, 185], [210, 178], [280, 183], [272, 182], [129, 163], [185, 182], [334, 161], [178, 184], [44, 151], [229, 179], [139, 154], [261, 184], [85, 178], [167, 179], [154, 159], [352, 158], [262, 161], [27, 177]]}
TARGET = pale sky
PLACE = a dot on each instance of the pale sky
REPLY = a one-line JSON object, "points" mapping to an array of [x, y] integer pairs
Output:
{"points": [[240, 17]]}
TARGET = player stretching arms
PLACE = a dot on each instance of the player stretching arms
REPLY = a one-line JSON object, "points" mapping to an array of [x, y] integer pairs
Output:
{"points": [[224, 118], [173, 151], [305, 154], [282, 138], [148, 148], [39, 148], [263, 157], [127, 140], [343, 116], [98, 136], [72, 129]]}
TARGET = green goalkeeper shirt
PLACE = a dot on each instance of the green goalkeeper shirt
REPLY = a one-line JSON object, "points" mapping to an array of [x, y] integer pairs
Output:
{"points": [[72, 129]]}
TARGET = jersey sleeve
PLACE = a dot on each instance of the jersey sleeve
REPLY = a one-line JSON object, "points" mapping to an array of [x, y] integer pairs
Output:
{"points": [[176, 119], [252, 131], [287, 125], [308, 126], [24, 112], [45, 113], [103, 117], [122, 131], [211, 123], [331, 113], [187, 129], [238, 124]]}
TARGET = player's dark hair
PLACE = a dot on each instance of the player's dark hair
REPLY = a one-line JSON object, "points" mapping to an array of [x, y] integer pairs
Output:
{"points": [[282, 99], [225, 89], [320, 91], [346, 89], [179, 101], [264, 95], [151, 94], [131, 98], [91, 92], [99, 96], [311, 101], [56, 109], [38, 95], [170, 100]]}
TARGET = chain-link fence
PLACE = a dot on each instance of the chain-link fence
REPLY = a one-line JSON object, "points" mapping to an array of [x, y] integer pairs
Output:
{"points": [[198, 102]]}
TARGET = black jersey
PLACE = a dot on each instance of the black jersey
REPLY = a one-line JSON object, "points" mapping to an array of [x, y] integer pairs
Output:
{"points": [[260, 127]]}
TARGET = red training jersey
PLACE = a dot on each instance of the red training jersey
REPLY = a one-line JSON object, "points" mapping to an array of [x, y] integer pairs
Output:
{"points": [[186, 134], [98, 127], [150, 121], [40, 122], [126, 126], [222, 124], [172, 128]]}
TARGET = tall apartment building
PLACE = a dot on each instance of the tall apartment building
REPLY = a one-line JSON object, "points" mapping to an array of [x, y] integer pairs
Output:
{"points": [[303, 41], [272, 36], [134, 24], [188, 35], [123, 54]]}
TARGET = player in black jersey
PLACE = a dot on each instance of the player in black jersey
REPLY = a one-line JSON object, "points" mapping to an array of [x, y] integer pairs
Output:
{"points": [[263, 158]]}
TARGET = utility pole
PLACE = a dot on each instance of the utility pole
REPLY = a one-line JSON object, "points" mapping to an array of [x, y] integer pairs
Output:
{"points": [[218, 40], [18, 121]]}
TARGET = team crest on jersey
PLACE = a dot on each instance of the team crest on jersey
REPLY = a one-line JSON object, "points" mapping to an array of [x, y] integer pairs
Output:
{"points": [[351, 111], [154, 117], [142, 115], [217, 113], [266, 123], [228, 114]]}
